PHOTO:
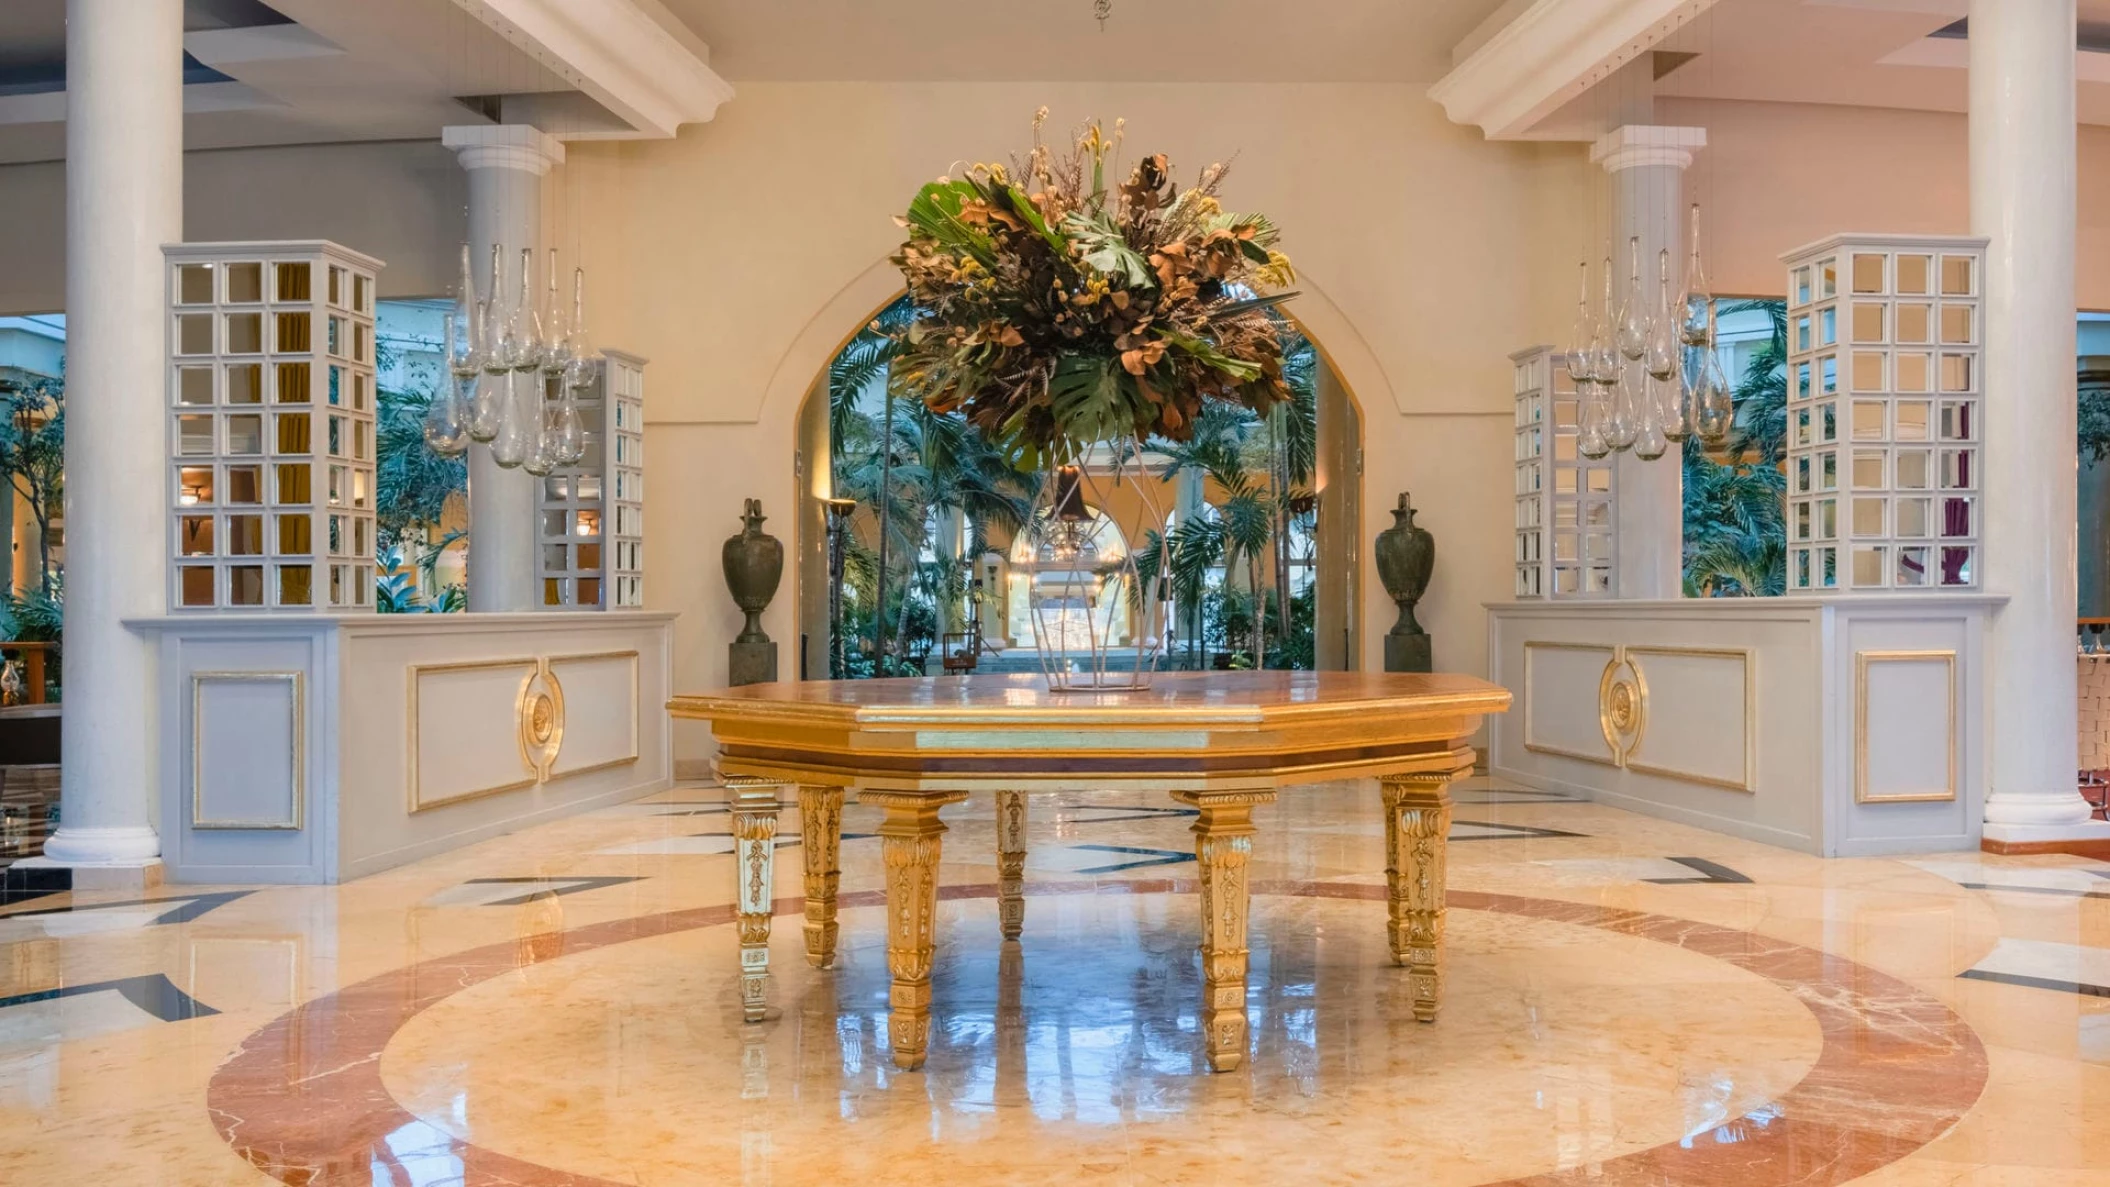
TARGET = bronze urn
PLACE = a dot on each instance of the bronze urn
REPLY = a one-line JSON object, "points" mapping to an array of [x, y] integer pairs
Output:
{"points": [[754, 565], [1406, 555]]}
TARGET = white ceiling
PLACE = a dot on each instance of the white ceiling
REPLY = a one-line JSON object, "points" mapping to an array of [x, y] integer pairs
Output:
{"points": [[1860, 53], [1162, 40], [308, 71], [333, 70]]}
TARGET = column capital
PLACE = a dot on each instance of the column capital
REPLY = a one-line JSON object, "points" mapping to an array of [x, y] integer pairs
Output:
{"points": [[1635, 146], [504, 146]]}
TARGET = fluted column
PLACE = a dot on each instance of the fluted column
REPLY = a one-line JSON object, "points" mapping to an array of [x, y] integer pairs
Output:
{"points": [[124, 200], [2022, 127], [506, 164], [1647, 165]]}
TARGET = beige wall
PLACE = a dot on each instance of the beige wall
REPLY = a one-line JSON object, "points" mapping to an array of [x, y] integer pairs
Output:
{"points": [[401, 201], [1778, 175], [738, 257], [749, 248]]}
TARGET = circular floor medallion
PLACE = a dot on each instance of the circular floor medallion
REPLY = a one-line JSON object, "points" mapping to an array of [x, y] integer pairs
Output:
{"points": [[307, 1100]]}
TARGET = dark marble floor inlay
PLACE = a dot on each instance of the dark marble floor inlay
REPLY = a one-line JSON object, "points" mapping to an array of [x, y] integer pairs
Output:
{"points": [[19, 885], [1708, 872], [183, 907], [155, 994], [1504, 832], [2082, 988], [1150, 857], [551, 886]]}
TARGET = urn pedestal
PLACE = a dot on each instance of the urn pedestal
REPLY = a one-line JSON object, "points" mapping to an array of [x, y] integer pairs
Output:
{"points": [[754, 565], [1406, 555]]}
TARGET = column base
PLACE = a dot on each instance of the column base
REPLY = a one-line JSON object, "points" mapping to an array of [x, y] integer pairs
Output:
{"points": [[2036, 809], [2086, 839], [132, 875]]}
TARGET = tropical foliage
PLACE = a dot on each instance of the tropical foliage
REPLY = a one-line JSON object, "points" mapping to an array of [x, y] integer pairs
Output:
{"points": [[33, 461], [1735, 536], [1055, 313], [412, 485], [919, 476], [402, 579]]}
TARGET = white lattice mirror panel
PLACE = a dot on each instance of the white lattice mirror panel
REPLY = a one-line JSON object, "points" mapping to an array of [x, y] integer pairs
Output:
{"points": [[271, 427], [1884, 412]]}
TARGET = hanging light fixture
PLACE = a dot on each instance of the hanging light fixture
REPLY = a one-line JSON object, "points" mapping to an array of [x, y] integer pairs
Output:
{"points": [[1713, 409], [446, 421], [1698, 327]]}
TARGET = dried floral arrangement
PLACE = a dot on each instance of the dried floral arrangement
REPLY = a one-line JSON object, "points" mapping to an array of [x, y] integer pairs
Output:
{"points": [[1057, 313]]}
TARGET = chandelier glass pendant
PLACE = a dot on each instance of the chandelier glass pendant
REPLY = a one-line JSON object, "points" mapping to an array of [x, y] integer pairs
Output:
{"points": [[514, 370], [1582, 369], [1646, 373], [1623, 424]]}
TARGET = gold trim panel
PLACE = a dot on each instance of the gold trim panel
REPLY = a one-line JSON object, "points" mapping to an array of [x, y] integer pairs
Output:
{"points": [[1611, 655], [416, 800], [1749, 783], [297, 683], [1863, 660], [549, 665]]}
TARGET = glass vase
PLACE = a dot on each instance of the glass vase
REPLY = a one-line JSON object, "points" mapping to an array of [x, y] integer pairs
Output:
{"points": [[1098, 619]]}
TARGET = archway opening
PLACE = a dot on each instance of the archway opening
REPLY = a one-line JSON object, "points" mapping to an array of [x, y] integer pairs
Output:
{"points": [[912, 542]]}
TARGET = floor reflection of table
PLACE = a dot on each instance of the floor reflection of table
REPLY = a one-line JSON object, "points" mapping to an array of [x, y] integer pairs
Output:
{"points": [[1221, 742]]}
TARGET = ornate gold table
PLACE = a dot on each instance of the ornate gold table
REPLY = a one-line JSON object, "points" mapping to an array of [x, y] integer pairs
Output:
{"points": [[1220, 742]]}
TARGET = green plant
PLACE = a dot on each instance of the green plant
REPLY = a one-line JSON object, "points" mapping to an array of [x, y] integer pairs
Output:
{"points": [[34, 615], [397, 586], [412, 483], [33, 459], [1057, 311], [1735, 542]]}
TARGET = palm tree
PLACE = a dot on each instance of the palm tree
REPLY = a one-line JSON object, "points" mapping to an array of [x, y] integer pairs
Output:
{"points": [[1735, 502]]}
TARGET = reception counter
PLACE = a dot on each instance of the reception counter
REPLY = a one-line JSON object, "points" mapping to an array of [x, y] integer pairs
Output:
{"points": [[1836, 726], [319, 748]]}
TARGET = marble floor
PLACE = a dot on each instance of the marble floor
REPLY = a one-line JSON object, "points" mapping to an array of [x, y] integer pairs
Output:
{"points": [[1629, 1002]]}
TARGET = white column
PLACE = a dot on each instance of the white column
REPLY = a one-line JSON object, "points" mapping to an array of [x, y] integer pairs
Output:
{"points": [[2022, 199], [506, 164], [1647, 165], [124, 200]]}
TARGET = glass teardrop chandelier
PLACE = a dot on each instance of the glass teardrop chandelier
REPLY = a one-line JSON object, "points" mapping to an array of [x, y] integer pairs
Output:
{"points": [[515, 368], [1645, 369]]}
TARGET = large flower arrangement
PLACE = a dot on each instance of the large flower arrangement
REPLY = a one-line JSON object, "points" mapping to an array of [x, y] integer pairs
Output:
{"points": [[1057, 313]]}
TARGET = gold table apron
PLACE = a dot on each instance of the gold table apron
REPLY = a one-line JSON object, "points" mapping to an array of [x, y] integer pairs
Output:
{"points": [[1219, 742]]}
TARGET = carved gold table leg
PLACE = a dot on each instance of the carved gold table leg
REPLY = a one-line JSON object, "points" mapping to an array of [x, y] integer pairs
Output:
{"points": [[910, 840], [821, 834], [1223, 843], [1417, 828], [1011, 862], [754, 809]]}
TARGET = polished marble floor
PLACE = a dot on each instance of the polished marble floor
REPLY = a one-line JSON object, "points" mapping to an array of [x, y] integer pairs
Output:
{"points": [[1630, 1002]]}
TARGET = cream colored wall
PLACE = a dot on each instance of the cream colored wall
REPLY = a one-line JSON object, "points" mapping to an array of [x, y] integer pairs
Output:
{"points": [[740, 255], [398, 200], [1778, 175], [749, 248]]}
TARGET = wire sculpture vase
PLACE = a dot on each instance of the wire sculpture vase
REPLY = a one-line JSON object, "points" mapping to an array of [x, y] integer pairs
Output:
{"points": [[1098, 624]]}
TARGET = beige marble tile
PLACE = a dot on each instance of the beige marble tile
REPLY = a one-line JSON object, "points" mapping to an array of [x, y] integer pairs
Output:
{"points": [[1570, 1049]]}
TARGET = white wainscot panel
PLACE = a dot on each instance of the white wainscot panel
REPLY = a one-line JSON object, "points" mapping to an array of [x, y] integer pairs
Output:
{"points": [[1905, 726], [1844, 726], [1560, 699], [465, 730], [247, 762], [1699, 715], [600, 711]]}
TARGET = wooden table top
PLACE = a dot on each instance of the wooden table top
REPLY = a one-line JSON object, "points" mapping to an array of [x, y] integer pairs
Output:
{"points": [[1188, 728], [1172, 697]]}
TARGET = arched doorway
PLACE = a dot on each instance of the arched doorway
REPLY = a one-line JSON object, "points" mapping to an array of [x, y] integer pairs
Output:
{"points": [[933, 583]]}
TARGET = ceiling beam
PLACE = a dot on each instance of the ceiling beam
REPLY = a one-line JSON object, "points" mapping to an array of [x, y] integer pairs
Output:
{"points": [[631, 56], [1547, 52]]}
